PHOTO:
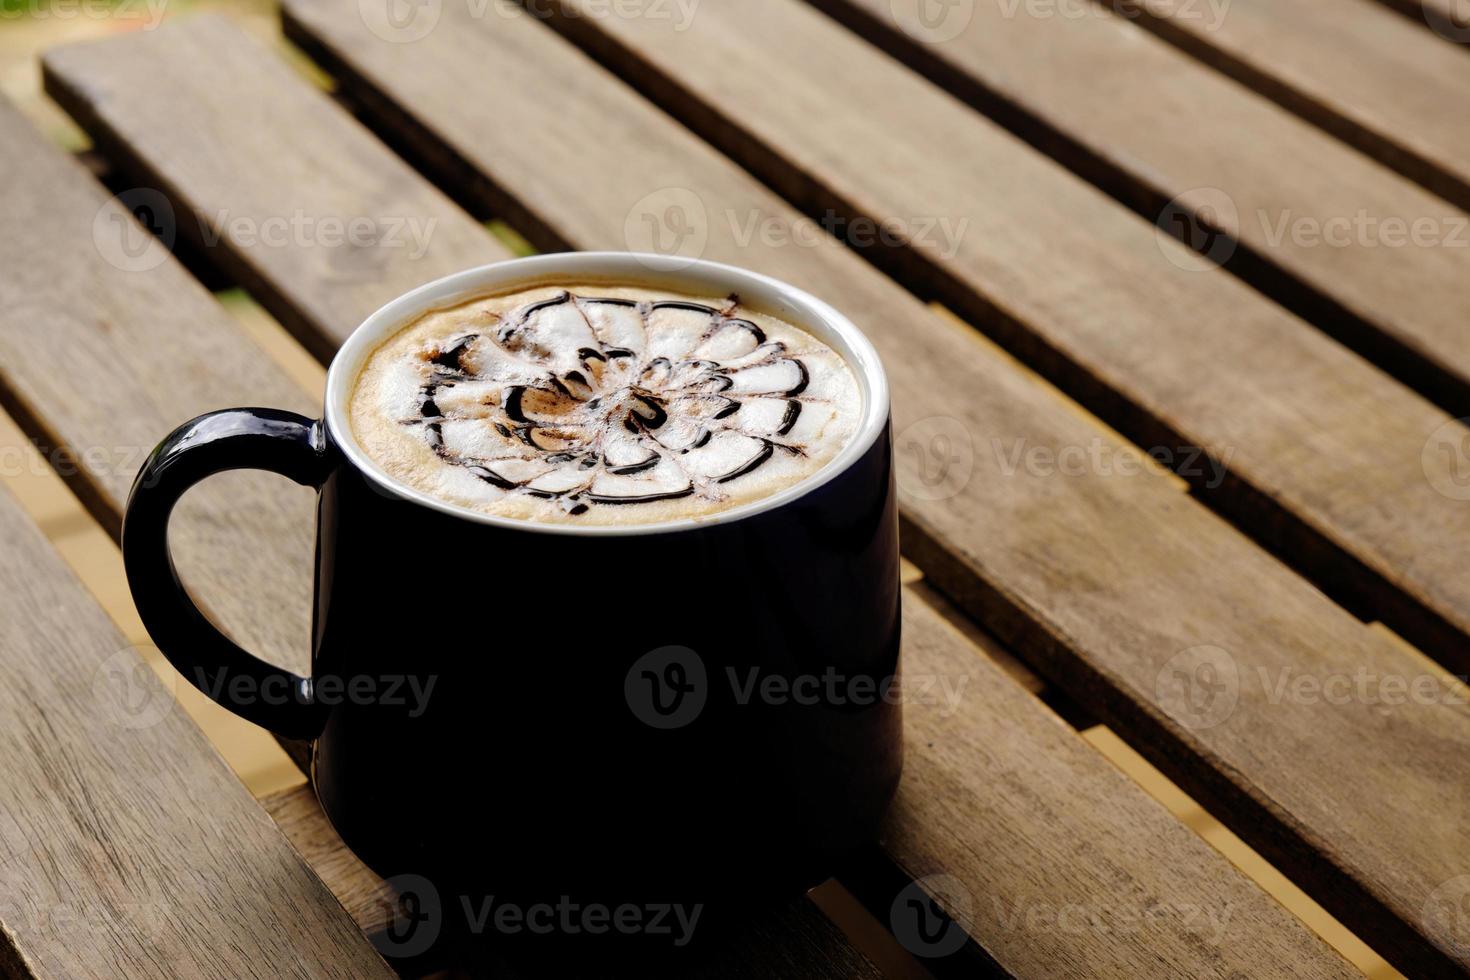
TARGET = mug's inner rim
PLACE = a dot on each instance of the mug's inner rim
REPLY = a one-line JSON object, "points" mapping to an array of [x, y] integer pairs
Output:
{"points": [[757, 293]]}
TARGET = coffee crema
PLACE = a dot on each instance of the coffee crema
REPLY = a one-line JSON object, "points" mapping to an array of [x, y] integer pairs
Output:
{"points": [[603, 405]]}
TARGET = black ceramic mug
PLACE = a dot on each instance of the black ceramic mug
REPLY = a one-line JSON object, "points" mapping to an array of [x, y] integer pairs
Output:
{"points": [[700, 712]]}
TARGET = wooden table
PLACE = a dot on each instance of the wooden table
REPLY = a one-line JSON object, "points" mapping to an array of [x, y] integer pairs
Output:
{"points": [[1232, 234]]}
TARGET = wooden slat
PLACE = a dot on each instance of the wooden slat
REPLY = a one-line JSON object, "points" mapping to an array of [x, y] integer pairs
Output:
{"points": [[1201, 869], [1064, 867], [129, 848], [1101, 578], [103, 352], [363, 894], [1279, 187], [1373, 78], [310, 201], [1331, 463], [797, 942]]}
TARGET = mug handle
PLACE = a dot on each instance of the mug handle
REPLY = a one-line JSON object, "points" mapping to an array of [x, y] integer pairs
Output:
{"points": [[241, 438]]}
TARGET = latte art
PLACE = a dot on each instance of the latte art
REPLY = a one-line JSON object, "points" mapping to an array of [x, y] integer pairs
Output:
{"points": [[603, 405]]}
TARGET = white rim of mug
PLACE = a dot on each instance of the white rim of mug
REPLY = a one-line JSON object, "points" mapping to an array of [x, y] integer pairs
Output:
{"points": [[758, 292]]}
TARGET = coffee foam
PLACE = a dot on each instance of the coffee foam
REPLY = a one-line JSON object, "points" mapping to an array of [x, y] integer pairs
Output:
{"points": [[603, 405]]}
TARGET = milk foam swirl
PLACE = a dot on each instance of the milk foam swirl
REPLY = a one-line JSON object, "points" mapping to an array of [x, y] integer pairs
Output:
{"points": [[585, 402]]}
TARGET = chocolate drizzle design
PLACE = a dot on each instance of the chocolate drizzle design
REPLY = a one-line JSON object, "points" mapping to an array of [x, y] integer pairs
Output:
{"points": [[580, 400]]}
